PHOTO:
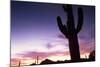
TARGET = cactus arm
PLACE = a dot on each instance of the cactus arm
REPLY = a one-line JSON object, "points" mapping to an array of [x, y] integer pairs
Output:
{"points": [[80, 20], [62, 27]]}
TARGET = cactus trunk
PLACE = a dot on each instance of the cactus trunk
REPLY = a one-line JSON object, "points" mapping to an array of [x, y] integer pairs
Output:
{"points": [[74, 48], [19, 65]]}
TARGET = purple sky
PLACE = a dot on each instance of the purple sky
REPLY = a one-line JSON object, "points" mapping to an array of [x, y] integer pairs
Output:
{"points": [[34, 28]]}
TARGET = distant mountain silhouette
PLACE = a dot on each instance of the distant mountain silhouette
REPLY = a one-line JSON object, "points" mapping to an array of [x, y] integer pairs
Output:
{"points": [[47, 61], [32, 64]]}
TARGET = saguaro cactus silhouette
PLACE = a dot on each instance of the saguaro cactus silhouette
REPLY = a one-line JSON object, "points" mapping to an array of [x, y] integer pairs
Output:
{"points": [[19, 64], [70, 31], [37, 59]]}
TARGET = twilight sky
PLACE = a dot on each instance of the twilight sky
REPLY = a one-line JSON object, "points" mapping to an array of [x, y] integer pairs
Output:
{"points": [[34, 30]]}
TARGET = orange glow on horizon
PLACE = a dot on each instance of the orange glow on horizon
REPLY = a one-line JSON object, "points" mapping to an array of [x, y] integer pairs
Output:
{"points": [[27, 61], [60, 58]]}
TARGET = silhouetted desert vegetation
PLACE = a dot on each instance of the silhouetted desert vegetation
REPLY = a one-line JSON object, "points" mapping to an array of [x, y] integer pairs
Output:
{"points": [[48, 61]]}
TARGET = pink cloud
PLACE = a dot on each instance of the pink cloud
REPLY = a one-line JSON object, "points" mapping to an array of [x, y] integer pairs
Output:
{"points": [[42, 55]]}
